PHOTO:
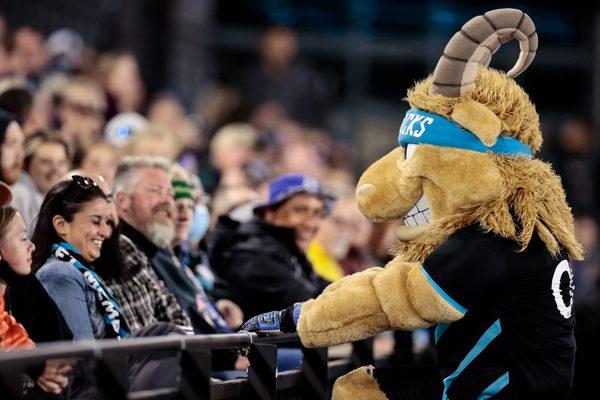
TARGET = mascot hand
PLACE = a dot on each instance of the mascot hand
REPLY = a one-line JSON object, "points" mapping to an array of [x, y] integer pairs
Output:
{"points": [[284, 321]]}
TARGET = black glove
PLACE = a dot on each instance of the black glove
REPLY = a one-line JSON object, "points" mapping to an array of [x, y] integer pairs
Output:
{"points": [[284, 321]]}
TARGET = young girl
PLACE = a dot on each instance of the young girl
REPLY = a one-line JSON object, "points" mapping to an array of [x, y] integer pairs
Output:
{"points": [[23, 297]]}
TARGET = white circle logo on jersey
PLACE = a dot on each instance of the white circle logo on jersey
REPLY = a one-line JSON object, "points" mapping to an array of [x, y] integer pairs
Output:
{"points": [[566, 292]]}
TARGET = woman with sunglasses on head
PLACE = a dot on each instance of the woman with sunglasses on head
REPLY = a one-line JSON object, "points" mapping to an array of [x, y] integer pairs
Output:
{"points": [[73, 223], [26, 310]]}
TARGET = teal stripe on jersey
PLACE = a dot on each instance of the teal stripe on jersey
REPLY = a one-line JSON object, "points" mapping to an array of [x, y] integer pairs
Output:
{"points": [[444, 295], [485, 339], [495, 387], [439, 331]]}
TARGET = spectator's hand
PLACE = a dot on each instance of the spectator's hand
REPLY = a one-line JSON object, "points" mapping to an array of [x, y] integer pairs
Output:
{"points": [[242, 363], [231, 312], [284, 321], [54, 378]]}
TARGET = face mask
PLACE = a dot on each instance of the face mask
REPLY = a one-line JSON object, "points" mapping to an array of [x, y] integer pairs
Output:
{"points": [[243, 212], [200, 223]]}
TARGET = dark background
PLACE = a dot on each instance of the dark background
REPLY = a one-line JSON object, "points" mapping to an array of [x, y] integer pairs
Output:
{"points": [[368, 51]]}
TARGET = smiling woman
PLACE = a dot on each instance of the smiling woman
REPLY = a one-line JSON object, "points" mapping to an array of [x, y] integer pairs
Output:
{"points": [[74, 221], [88, 229]]}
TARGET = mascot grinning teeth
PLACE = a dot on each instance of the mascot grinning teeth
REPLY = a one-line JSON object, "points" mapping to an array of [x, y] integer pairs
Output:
{"points": [[484, 252]]}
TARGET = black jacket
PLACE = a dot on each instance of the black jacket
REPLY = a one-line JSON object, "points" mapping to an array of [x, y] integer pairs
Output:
{"points": [[260, 267], [30, 304]]}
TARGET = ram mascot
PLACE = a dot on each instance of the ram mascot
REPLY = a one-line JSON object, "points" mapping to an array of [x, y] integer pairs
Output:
{"points": [[484, 252]]}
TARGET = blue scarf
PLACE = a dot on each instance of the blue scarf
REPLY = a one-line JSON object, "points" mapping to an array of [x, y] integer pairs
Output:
{"points": [[113, 317], [420, 127]]}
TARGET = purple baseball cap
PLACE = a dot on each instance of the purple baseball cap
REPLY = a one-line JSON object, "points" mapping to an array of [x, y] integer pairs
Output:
{"points": [[285, 186]]}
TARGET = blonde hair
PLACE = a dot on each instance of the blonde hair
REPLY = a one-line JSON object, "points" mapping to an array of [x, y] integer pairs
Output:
{"points": [[233, 135], [155, 134]]}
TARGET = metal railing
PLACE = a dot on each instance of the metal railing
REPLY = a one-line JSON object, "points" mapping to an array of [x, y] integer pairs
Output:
{"points": [[312, 381]]}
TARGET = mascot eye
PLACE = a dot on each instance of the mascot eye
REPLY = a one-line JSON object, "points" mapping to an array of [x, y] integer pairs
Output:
{"points": [[410, 149]]}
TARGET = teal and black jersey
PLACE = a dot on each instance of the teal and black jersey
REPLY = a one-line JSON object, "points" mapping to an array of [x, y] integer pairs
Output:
{"points": [[516, 338]]}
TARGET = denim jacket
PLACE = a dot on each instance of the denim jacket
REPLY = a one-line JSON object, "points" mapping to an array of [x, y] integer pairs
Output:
{"points": [[74, 298]]}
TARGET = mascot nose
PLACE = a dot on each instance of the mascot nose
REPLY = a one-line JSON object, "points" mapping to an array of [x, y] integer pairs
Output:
{"points": [[366, 194], [364, 191]]}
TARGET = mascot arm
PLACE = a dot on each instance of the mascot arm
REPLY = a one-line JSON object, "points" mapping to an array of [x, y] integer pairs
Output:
{"points": [[399, 296]]}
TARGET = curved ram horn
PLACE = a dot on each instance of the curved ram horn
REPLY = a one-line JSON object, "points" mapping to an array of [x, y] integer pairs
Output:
{"points": [[474, 45]]}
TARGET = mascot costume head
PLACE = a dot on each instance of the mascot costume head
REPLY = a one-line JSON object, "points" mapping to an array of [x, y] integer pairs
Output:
{"points": [[466, 150], [484, 252]]}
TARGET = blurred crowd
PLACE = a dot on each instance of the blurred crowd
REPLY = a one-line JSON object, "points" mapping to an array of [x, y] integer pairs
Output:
{"points": [[80, 109], [195, 213], [127, 213]]}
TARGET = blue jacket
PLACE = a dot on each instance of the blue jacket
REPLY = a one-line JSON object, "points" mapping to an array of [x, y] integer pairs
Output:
{"points": [[74, 298]]}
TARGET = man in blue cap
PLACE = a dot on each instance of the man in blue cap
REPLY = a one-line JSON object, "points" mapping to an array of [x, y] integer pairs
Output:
{"points": [[261, 264]]}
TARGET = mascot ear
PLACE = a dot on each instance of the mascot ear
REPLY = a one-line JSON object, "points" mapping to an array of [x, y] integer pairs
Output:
{"points": [[478, 119]]}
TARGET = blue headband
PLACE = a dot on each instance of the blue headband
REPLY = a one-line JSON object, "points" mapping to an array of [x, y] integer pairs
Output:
{"points": [[420, 127]]}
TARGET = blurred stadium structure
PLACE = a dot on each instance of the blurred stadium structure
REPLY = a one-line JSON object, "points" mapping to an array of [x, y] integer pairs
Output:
{"points": [[367, 51]]}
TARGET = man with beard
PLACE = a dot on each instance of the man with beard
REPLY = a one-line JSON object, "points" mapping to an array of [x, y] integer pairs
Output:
{"points": [[46, 161], [144, 198]]}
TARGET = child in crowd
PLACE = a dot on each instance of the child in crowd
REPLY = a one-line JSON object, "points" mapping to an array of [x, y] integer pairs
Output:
{"points": [[22, 295]]}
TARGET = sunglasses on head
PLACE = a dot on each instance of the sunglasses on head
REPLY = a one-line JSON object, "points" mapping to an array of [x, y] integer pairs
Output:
{"points": [[84, 182], [87, 183]]}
